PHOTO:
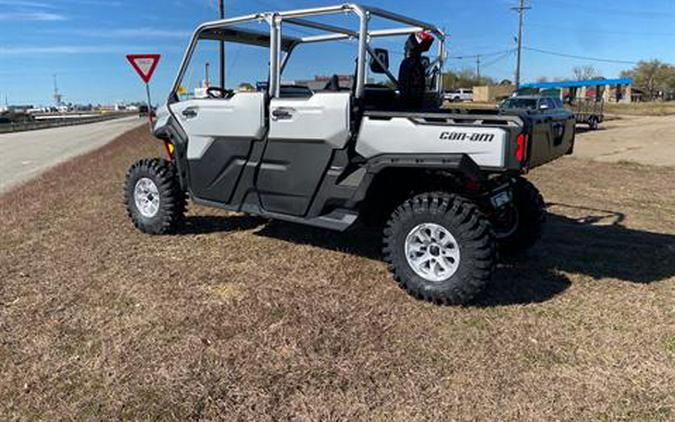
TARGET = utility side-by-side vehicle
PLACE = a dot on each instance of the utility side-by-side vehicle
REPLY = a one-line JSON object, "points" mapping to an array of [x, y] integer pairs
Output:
{"points": [[446, 186]]}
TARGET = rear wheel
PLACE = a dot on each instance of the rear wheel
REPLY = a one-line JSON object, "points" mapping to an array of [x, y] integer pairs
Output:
{"points": [[520, 225], [155, 202], [440, 248]]}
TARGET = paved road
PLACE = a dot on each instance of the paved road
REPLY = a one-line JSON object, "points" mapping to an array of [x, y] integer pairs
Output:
{"points": [[25, 155], [644, 140]]}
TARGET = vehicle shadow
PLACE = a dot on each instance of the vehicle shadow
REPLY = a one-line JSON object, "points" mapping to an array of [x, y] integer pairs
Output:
{"points": [[597, 243], [585, 241], [585, 129], [195, 225], [515, 282]]}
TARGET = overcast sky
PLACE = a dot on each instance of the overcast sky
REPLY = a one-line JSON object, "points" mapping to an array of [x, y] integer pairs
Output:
{"points": [[84, 41]]}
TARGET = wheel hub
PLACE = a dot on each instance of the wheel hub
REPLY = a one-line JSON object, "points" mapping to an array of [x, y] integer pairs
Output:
{"points": [[432, 252], [146, 197], [506, 223]]}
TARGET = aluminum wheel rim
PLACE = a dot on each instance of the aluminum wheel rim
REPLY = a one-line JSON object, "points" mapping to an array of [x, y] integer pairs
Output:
{"points": [[432, 252], [146, 196]]}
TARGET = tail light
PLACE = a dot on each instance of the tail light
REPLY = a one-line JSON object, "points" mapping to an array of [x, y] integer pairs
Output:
{"points": [[521, 148]]}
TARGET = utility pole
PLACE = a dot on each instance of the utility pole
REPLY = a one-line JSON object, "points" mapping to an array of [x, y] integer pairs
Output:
{"points": [[521, 11], [221, 7], [478, 68]]}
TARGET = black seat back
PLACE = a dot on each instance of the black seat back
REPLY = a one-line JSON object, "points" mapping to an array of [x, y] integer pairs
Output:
{"points": [[412, 82]]}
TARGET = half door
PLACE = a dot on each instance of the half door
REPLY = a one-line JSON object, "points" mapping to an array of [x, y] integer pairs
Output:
{"points": [[304, 133], [221, 133]]}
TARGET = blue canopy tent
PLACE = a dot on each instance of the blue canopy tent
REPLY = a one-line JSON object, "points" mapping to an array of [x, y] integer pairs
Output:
{"points": [[598, 86]]}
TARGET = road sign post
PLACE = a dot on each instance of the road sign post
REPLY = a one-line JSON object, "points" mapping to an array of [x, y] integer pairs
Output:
{"points": [[147, 91], [145, 65]]}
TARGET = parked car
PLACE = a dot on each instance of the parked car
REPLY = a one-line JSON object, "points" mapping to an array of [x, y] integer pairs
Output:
{"points": [[458, 95]]}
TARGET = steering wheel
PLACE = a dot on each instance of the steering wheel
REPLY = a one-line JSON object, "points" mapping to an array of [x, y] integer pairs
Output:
{"points": [[218, 92]]}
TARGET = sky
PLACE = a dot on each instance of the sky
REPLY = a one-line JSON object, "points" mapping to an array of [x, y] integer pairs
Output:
{"points": [[84, 42]]}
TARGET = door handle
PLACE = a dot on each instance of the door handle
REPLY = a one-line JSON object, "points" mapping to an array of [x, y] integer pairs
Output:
{"points": [[282, 113], [190, 112]]}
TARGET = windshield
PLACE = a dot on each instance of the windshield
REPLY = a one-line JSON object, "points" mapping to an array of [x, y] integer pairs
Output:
{"points": [[520, 104]]}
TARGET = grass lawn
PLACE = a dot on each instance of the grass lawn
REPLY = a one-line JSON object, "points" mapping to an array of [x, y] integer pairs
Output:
{"points": [[238, 318]]}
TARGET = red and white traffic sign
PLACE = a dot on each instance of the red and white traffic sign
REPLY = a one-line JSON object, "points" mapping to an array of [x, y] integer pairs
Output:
{"points": [[144, 64]]}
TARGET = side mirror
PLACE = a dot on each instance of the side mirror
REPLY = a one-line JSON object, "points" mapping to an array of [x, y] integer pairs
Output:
{"points": [[382, 55]]}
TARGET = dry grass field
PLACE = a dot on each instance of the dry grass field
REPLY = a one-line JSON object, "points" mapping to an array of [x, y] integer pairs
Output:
{"points": [[236, 318], [642, 109]]}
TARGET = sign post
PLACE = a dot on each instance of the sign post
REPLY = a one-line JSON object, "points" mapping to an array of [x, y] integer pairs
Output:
{"points": [[145, 65]]}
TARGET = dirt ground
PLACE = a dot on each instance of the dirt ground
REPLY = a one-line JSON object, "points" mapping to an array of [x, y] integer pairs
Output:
{"points": [[646, 140], [236, 318]]}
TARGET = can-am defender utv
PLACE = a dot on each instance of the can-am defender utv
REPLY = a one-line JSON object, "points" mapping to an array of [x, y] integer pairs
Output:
{"points": [[446, 185]]}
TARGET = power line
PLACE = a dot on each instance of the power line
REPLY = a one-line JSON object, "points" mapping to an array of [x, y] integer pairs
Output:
{"points": [[474, 56], [572, 56], [499, 59], [583, 30]]}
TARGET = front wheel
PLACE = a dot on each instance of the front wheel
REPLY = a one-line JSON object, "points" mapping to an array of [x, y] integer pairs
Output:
{"points": [[440, 248], [155, 202]]}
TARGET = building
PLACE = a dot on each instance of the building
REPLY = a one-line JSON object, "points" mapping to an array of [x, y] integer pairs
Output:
{"points": [[610, 90], [320, 81], [492, 93]]}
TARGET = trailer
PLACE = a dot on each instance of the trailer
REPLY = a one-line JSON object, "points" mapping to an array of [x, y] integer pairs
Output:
{"points": [[589, 111]]}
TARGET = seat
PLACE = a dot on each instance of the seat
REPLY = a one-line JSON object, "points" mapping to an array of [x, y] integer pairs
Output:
{"points": [[380, 98], [412, 79]]}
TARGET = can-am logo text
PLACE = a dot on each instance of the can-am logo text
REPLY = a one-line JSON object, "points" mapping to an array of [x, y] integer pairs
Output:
{"points": [[464, 136]]}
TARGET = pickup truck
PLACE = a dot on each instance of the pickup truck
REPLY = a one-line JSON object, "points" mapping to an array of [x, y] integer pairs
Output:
{"points": [[446, 187], [458, 95]]}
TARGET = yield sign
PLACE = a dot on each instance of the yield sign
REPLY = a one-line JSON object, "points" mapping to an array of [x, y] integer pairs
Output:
{"points": [[144, 64]]}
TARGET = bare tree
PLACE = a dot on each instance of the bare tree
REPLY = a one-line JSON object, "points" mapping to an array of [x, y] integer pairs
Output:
{"points": [[582, 73]]}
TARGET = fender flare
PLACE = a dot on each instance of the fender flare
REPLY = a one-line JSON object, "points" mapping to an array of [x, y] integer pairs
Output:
{"points": [[458, 163], [173, 133]]}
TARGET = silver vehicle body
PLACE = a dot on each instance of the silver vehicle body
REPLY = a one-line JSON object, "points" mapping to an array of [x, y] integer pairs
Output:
{"points": [[313, 159]]}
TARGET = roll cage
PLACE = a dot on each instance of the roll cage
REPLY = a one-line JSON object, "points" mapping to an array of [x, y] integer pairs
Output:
{"points": [[227, 30]]}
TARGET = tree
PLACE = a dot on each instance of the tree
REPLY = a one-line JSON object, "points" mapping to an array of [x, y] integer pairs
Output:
{"points": [[542, 79], [582, 73], [465, 79], [653, 77]]}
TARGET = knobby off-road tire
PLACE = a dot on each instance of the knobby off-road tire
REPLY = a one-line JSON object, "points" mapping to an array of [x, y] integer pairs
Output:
{"points": [[456, 221], [530, 218], [155, 202]]}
